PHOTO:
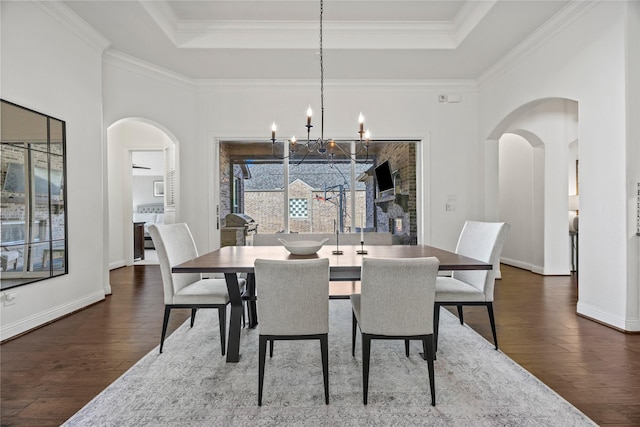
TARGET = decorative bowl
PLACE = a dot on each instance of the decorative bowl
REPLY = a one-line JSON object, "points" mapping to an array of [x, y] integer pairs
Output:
{"points": [[303, 247]]}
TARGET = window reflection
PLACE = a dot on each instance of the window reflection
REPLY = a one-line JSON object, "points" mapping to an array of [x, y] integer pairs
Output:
{"points": [[33, 243]]}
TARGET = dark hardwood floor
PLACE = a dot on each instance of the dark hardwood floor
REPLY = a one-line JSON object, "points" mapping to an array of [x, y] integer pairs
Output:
{"points": [[50, 373]]}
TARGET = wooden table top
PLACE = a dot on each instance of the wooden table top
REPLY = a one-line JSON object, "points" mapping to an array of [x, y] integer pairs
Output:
{"points": [[240, 259]]}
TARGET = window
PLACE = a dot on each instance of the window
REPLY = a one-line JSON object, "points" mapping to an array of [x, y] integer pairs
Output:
{"points": [[298, 208], [33, 242]]}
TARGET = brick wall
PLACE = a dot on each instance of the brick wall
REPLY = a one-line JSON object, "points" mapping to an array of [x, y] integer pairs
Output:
{"points": [[402, 158], [266, 208]]}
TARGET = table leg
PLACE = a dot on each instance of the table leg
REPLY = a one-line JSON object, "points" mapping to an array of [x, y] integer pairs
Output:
{"points": [[235, 323], [251, 301]]}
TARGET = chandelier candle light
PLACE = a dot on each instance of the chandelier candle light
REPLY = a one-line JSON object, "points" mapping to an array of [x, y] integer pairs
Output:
{"points": [[361, 251], [325, 148]]}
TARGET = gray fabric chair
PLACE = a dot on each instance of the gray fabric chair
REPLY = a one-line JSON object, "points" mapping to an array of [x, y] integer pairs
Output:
{"points": [[293, 302], [396, 302], [174, 245], [482, 241]]}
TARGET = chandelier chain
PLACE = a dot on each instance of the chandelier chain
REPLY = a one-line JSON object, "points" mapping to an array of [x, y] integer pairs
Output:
{"points": [[321, 77]]}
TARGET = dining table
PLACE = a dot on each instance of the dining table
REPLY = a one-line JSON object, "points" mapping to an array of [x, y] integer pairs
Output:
{"points": [[346, 266]]}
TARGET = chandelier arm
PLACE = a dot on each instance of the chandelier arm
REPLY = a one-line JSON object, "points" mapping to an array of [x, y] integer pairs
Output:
{"points": [[303, 158], [273, 152], [348, 154]]}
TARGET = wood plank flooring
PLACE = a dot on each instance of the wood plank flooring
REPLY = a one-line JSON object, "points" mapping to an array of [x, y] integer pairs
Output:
{"points": [[50, 373]]}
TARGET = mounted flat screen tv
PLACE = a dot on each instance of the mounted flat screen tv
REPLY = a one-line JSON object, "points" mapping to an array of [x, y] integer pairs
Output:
{"points": [[384, 177]]}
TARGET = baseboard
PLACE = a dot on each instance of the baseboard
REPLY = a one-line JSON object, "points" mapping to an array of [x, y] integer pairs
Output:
{"points": [[42, 318], [535, 268], [617, 322], [116, 264], [517, 264]]}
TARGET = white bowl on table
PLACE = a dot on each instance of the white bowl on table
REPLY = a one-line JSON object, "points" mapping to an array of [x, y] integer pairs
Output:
{"points": [[303, 247]]}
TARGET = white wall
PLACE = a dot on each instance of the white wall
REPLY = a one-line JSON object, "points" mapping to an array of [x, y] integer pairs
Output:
{"points": [[142, 190], [516, 202], [587, 63], [410, 110], [48, 68]]}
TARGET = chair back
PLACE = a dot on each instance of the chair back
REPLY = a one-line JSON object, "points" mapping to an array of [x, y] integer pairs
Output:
{"points": [[293, 296], [174, 245], [482, 241], [397, 296]]}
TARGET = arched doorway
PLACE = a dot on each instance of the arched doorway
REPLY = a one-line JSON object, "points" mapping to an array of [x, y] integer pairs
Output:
{"points": [[125, 137], [533, 183]]}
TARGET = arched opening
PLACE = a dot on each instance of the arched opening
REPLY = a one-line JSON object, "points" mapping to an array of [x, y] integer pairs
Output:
{"points": [[127, 142], [533, 186]]}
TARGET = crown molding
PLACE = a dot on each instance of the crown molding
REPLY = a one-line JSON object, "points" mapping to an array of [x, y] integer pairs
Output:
{"points": [[256, 34], [467, 86], [147, 69], [70, 20], [563, 19]]}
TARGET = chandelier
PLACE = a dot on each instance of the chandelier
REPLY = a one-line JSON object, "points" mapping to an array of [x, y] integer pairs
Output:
{"points": [[326, 148]]}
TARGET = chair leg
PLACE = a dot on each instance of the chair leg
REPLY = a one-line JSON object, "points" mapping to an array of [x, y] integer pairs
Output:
{"points": [[167, 310], [427, 344], [366, 354], [193, 316], [436, 326], [460, 316], [222, 319], [354, 324], [324, 349], [493, 323], [406, 347], [262, 350], [244, 312], [270, 348]]}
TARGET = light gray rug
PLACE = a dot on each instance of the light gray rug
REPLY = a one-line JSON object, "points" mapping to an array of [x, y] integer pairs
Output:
{"points": [[190, 384]]}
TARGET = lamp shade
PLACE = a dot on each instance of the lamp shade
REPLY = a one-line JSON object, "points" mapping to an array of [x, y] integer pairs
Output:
{"points": [[573, 202]]}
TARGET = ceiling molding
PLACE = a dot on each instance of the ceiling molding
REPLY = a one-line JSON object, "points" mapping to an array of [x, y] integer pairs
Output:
{"points": [[147, 69], [70, 20], [463, 85], [283, 34], [569, 14]]}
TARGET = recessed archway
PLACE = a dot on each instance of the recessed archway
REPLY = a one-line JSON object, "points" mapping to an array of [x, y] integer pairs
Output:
{"points": [[533, 183]]}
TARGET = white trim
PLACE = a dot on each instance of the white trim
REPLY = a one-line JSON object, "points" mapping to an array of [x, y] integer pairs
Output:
{"points": [[44, 317], [595, 313], [70, 20], [467, 85], [302, 34], [573, 11], [116, 264], [147, 69]]}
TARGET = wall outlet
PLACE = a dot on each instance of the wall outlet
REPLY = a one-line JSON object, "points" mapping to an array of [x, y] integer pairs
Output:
{"points": [[9, 298], [451, 206]]}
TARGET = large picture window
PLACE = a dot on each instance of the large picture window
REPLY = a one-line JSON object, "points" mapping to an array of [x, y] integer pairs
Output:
{"points": [[33, 242], [308, 194]]}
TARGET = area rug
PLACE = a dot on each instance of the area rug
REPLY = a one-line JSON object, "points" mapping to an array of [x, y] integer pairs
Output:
{"points": [[190, 384]]}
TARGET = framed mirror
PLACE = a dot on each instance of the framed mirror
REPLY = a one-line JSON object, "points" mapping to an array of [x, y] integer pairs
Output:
{"points": [[33, 242]]}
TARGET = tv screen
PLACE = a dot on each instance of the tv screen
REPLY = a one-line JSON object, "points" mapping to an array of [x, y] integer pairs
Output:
{"points": [[384, 176]]}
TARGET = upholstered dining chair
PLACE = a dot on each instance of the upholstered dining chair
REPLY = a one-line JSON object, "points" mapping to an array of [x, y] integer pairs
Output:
{"points": [[293, 302], [482, 241], [174, 245], [389, 308]]}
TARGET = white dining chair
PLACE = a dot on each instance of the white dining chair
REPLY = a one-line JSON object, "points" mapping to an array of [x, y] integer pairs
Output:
{"points": [[174, 245], [482, 241], [396, 301], [293, 302]]}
